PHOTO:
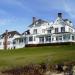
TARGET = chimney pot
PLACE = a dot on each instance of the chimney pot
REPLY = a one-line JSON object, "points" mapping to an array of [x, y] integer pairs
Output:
{"points": [[60, 15]]}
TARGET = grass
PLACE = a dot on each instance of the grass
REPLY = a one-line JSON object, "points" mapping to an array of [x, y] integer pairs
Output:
{"points": [[21, 57]]}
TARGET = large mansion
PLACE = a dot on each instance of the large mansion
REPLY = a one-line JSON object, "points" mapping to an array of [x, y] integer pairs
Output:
{"points": [[40, 32]]}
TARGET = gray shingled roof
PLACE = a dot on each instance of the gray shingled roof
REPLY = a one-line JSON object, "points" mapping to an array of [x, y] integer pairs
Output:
{"points": [[39, 21], [11, 33]]}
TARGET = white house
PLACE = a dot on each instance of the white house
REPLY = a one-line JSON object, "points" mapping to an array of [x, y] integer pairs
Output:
{"points": [[8, 42], [40, 32]]}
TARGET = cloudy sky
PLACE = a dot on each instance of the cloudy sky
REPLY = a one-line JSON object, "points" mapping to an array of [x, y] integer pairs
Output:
{"points": [[17, 14]]}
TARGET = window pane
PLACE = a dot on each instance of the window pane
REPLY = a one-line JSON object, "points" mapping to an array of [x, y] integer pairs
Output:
{"points": [[30, 38], [49, 31], [62, 29], [72, 37], [66, 37], [41, 39], [58, 38], [56, 30], [48, 38]]}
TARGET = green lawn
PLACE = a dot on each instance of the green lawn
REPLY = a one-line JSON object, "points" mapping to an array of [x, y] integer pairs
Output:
{"points": [[20, 57]]}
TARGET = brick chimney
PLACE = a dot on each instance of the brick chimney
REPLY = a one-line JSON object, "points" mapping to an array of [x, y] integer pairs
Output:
{"points": [[5, 39], [34, 20], [60, 15]]}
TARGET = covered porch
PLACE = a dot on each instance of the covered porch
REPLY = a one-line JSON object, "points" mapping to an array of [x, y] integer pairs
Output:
{"points": [[56, 38], [19, 42]]}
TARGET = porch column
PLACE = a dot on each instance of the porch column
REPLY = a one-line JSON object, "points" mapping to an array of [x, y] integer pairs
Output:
{"points": [[18, 41], [26, 40], [70, 37], [51, 39], [44, 39], [62, 39]]}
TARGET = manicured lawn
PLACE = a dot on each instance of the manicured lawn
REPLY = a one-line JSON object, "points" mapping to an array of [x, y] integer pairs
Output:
{"points": [[21, 57]]}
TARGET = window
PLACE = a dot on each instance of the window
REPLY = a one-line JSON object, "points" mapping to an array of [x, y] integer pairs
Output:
{"points": [[49, 31], [56, 30], [14, 42], [41, 39], [48, 38], [25, 39], [31, 38], [62, 29], [58, 38], [72, 37], [66, 37], [35, 31], [52, 39], [20, 40]]}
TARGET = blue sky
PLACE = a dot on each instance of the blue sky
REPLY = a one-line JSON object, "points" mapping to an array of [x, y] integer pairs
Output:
{"points": [[17, 14]]}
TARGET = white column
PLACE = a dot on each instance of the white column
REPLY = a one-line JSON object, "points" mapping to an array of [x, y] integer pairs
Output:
{"points": [[70, 37], [62, 38], [44, 40], [51, 39]]}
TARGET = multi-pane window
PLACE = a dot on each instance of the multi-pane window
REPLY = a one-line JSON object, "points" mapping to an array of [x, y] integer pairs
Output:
{"points": [[41, 39], [58, 38], [20, 40], [72, 37], [62, 29], [31, 38], [49, 31], [35, 31], [66, 37], [48, 38], [56, 30]]}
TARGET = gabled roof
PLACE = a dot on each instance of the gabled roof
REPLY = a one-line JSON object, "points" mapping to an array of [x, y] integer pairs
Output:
{"points": [[39, 21], [11, 33], [26, 32], [66, 20]]}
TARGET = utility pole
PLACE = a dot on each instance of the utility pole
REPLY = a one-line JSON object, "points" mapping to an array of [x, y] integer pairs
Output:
{"points": [[6, 39]]}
